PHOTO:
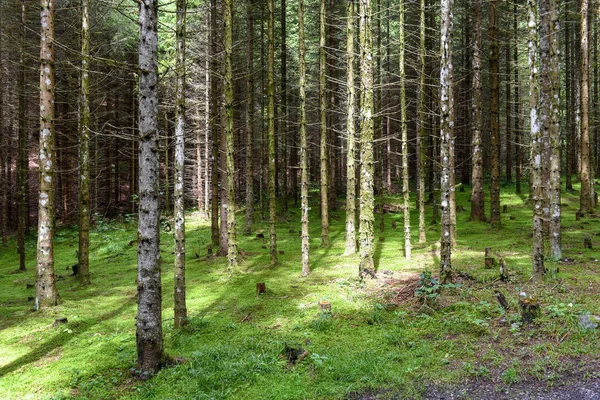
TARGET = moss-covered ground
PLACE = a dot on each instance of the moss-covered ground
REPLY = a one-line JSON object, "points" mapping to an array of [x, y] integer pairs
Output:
{"points": [[378, 337]]}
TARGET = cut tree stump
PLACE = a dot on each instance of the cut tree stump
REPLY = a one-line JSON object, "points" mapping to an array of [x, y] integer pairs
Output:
{"points": [[587, 243], [325, 306], [503, 269], [530, 309], [489, 260], [261, 288]]}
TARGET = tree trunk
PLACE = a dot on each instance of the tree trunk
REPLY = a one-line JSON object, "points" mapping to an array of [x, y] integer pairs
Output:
{"points": [[46, 292], [477, 194], [517, 104], [232, 252], [508, 110], [536, 146], [303, 143], [351, 133], [421, 133], [367, 266], [22, 149], [585, 204], [494, 115], [271, 131], [149, 319], [549, 99], [84, 149], [284, 123], [250, 123], [214, 124], [179, 306], [404, 128], [323, 128], [4, 179]]}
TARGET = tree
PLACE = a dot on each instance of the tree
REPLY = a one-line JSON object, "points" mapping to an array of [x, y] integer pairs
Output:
{"points": [[404, 127], [284, 111], [179, 305], [214, 125], [3, 149], [271, 131], [446, 127], [250, 122], [536, 145], [46, 291], [149, 318], [550, 118], [22, 148], [421, 153], [303, 143], [477, 195], [323, 127], [366, 266], [585, 196], [350, 133], [84, 149], [494, 114]]}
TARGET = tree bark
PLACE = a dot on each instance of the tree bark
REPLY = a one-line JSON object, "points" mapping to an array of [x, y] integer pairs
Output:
{"points": [[351, 133], [585, 204], [477, 194], [421, 121], [366, 266], [303, 143], [46, 291], [494, 114], [404, 128], [446, 128], [250, 123], [214, 124], [149, 319], [323, 128], [284, 110], [179, 304], [22, 149], [271, 131]]}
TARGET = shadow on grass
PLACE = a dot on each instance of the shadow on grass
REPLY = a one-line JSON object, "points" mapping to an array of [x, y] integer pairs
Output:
{"points": [[58, 340]]}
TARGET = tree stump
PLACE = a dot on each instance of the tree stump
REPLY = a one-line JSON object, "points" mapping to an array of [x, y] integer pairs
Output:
{"points": [[578, 215], [261, 288], [489, 260], [325, 307], [505, 209], [512, 218], [587, 243], [502, 300], [503, 270], [530, 309]]}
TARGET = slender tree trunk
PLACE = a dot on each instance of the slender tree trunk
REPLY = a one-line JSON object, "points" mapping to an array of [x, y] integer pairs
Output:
{"points": [[132, 181], [303, 142], [421, 133], [367, 266], [179, 306], [232, 252], [214, 125], [517, 104], [284, 111], [536, 146], [585, 204], [446, 127], [22, 149], [250, 123], [350, 132], [549, 98], [494, 114], [84, 149], [404, 128], [46, 292], [509, 127], [4, 178], [323, 128], [477, 194], [149, 318], [271, 131]]}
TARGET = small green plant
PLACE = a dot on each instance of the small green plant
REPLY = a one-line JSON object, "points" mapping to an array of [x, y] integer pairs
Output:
{"points": [[429, 288], [510, 376]]}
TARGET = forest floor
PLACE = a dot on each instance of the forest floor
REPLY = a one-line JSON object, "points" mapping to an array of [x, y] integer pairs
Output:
{"points": [[378, 341]]}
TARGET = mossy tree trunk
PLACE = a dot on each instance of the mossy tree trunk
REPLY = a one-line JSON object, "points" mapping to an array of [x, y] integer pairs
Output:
{"points": [[214, 124], [350, 132], [303, 143], [232, 252], [404, 128], [250, 122], [517, 103], [446, 128], [494, 113], [536, 145], [549, 99], [179, 304], [477, 194], [84, 149], [284, 111], [46, 291], [271, 131], [149, 317], [324, 160], [585, 203], [366, 199], [22, 148]]}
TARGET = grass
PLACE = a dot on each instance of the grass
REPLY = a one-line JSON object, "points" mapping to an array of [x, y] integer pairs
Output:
{"points": [[374, 341]]}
